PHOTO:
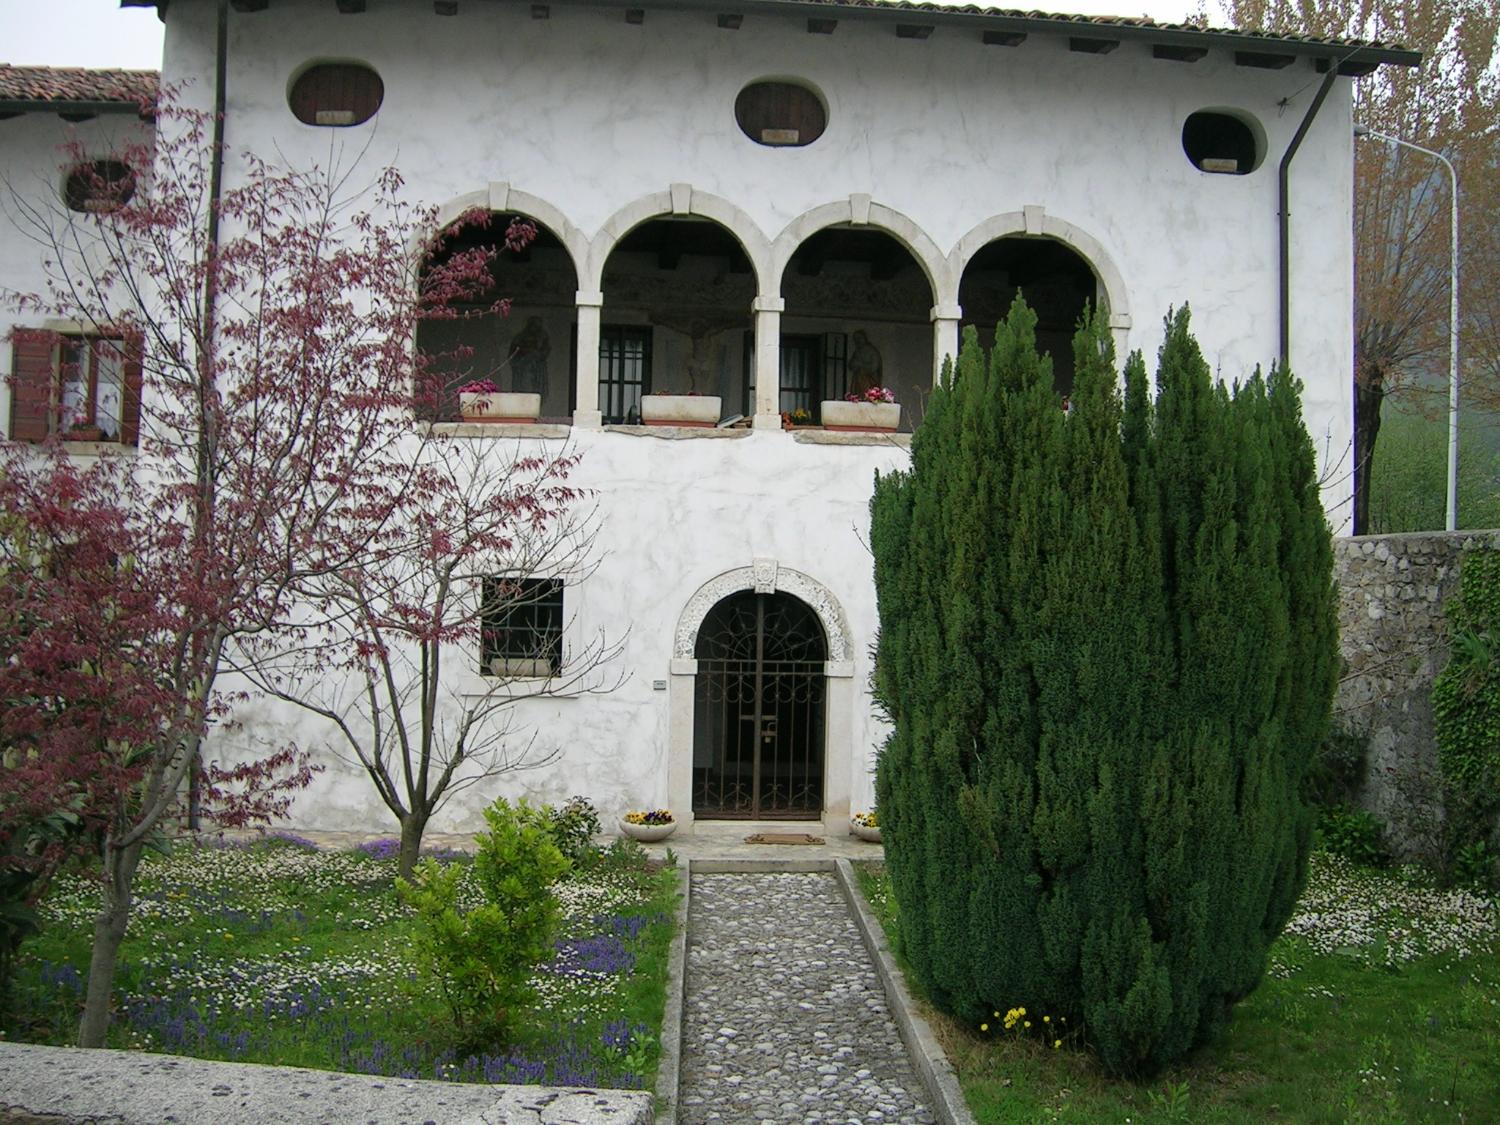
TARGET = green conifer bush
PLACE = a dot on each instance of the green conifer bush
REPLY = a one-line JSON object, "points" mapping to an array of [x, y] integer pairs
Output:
{"points": [[1108, 649]]}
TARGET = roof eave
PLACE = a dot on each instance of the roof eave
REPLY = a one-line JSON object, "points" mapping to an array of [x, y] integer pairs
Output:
{"points": [[1350, 59], [68, 107]]}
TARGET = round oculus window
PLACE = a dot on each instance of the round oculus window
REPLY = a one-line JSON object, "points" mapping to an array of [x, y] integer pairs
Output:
{"points": [[1221, 143], [337, 94], [98, 186], [780, 114]]}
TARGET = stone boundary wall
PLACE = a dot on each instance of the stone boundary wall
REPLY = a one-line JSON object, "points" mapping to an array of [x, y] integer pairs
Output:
{"points": [[1394, 636]]}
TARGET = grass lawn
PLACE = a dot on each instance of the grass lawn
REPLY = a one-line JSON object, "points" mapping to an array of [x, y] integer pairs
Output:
{"points": [[281, 953], [1382, 1004]]}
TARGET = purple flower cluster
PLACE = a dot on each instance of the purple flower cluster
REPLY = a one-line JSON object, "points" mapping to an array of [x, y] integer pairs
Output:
{"points": [[380, 849], [389, 848], [619, 1034], [600, 953]]}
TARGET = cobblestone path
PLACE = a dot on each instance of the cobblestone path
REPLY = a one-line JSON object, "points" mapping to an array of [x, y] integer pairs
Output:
{"points": [[785, 1019]]}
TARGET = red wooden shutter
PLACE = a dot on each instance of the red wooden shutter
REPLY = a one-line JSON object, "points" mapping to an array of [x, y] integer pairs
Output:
{"points": [[31, 384], [130, 399]]}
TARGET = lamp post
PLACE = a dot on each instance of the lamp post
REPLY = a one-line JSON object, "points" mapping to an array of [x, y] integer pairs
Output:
{"points": [[1365, 131]]}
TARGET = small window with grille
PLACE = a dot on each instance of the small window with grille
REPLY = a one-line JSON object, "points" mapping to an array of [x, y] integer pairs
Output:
{"points": [[521, 625], [338, 94]]}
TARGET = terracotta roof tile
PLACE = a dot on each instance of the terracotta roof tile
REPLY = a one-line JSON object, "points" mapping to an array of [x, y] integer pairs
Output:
{"points": [[64, 85]]}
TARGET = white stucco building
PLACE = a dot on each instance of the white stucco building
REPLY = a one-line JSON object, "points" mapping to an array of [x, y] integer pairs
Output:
{"points": [[774, 202]]}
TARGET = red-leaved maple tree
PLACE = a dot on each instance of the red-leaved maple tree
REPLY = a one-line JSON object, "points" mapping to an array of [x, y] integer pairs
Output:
{"points": [[278, 460]]}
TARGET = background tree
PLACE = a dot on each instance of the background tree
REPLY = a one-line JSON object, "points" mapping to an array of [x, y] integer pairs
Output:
{"points": [[392, 662], [273, 328], [1108, 650], [1451, 104]]}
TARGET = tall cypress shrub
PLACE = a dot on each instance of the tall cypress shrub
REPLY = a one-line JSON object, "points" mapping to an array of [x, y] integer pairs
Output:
{"points": [[1107, 650]]}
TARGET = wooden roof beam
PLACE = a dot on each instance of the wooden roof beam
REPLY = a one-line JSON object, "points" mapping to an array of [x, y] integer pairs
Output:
{"points": [[1088, 46], [731, 21], [821, 26], [1176, 53], [1003, 38], [1263, 60]]}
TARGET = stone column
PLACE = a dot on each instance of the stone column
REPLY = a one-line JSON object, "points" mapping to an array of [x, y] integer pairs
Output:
{"points": [[587, 415], [945, 320], [768, 312]]}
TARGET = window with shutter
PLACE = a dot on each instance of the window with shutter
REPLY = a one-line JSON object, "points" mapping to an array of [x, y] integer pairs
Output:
{"points": [[79, 387]]}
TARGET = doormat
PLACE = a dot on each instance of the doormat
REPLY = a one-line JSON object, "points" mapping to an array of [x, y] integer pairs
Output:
{"points": [[783, 838]]}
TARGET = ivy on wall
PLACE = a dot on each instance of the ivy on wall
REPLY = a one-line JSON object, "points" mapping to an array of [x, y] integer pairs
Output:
{"points": [[1466, 706]]}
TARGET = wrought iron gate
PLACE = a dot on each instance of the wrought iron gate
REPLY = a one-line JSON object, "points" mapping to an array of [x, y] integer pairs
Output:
{"points": [[758, 714]]}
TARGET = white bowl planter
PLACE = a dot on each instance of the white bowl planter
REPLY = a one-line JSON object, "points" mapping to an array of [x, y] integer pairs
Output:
{"points": [[500, 406], [882, 416], [865, 832], [681, 410], [647, 833]]}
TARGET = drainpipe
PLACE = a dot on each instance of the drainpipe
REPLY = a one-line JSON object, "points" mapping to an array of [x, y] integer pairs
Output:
{"points": [[1284, 214], [210, 296]]}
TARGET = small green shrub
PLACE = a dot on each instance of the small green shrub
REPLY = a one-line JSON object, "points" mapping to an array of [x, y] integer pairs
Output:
{"points": [[482, 958], [574, 827], [1474, 865], [1353, 833]]}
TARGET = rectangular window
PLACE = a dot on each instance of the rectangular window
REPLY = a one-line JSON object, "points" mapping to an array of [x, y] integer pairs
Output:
{"points": [[624, 371], [521, 625], [81, 388], [801, 374]]}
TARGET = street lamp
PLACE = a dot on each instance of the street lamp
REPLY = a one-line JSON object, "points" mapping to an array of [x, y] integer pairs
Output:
{"points": [[1366, 131]]}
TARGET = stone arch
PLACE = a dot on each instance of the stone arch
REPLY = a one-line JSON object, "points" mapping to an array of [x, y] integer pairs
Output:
{"points": [[765, 576], [503, 197], [1034, 222], [679, 199], [859, 211]]}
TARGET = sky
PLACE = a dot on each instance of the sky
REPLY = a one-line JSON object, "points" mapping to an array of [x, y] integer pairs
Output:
{"points": [[99, 33]]}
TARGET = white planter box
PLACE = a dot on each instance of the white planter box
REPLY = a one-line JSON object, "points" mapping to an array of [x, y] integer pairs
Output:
{"points": [[501, 406], [680, 410], [838, 415]]}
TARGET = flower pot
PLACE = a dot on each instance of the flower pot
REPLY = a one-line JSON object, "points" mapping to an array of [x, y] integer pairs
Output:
{"points": [[680, 410], [883, 417], [499, 406], [864, 832], [647, 833]]}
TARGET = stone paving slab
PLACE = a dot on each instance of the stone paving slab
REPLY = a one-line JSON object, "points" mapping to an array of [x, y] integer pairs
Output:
{"points": [[70, 1086], [786, 1020]]}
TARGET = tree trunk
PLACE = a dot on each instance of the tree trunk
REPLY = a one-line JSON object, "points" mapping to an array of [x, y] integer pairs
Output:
{"points": [[412, 827], [109, 932], [1369, 392]]}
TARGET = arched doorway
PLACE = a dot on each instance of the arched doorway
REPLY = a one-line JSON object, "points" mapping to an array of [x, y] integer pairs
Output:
{"points": [[760, 710]]}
